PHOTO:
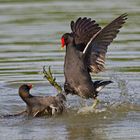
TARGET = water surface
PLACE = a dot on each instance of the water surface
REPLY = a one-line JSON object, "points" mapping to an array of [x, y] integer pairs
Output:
{"points": [[30, 35]]}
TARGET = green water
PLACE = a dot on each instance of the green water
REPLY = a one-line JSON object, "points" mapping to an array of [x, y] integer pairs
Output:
{"points": [[30, 33]]}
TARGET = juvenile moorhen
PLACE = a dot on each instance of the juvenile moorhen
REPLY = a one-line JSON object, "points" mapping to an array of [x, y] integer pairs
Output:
{"points": [[39, 105], [86, 47]]}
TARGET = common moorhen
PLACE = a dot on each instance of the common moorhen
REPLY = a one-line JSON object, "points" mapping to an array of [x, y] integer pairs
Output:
{"points": [[86, 47], [39, 105]]}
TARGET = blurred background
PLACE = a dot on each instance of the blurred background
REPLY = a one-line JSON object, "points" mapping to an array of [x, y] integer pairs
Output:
{"points": [[30, 32]]}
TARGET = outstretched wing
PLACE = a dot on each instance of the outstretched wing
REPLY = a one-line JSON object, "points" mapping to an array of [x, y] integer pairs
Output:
{"points": [[83, 29], [96, 48]]}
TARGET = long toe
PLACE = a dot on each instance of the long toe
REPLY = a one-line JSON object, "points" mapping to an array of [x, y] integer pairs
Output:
{"points": [[91, 109]]}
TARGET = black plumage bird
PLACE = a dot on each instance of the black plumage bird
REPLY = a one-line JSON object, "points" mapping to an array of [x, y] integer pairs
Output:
{"points": [[41, 105], [86, 47]]}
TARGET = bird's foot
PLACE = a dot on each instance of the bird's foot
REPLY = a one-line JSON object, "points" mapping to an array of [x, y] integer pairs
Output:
{"points": [[91, 109], [49, 76], [86, 110]]}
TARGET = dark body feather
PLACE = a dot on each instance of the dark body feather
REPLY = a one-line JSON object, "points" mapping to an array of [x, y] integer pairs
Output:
{"points": [[86, 47], [41, 105]]}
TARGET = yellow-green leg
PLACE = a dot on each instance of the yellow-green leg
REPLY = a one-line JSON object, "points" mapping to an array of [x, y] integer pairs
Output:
{"points": [[88, 109], [96, 102]]}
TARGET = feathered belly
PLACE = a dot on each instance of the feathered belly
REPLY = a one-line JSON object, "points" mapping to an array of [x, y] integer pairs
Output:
{"points": [[85, 91]]}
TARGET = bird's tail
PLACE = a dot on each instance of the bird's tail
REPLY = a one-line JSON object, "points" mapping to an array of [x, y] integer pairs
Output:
{"points": [[99, 85]]}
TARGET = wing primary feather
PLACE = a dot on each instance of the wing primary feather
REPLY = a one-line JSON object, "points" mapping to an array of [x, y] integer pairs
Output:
{"points": [[99, 43]]}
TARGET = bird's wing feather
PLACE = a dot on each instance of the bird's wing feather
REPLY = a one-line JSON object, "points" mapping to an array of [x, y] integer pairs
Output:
{"points": [[83, 29], [96, 48]]}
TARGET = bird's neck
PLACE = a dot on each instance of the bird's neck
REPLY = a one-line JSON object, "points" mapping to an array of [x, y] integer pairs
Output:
{"points": [[71, 50], [25, 95]]}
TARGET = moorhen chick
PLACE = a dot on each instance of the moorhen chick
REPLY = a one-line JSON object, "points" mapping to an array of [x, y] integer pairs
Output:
{"points": [[39, 105], [86, 47]]}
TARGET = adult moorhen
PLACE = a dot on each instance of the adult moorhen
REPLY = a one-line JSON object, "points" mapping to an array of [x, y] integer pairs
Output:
{"points": [[86, 47], [39, 105]]}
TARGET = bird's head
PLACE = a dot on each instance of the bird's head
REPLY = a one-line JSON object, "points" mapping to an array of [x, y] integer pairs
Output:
{"points": [[24, 90], [66, 39]]}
